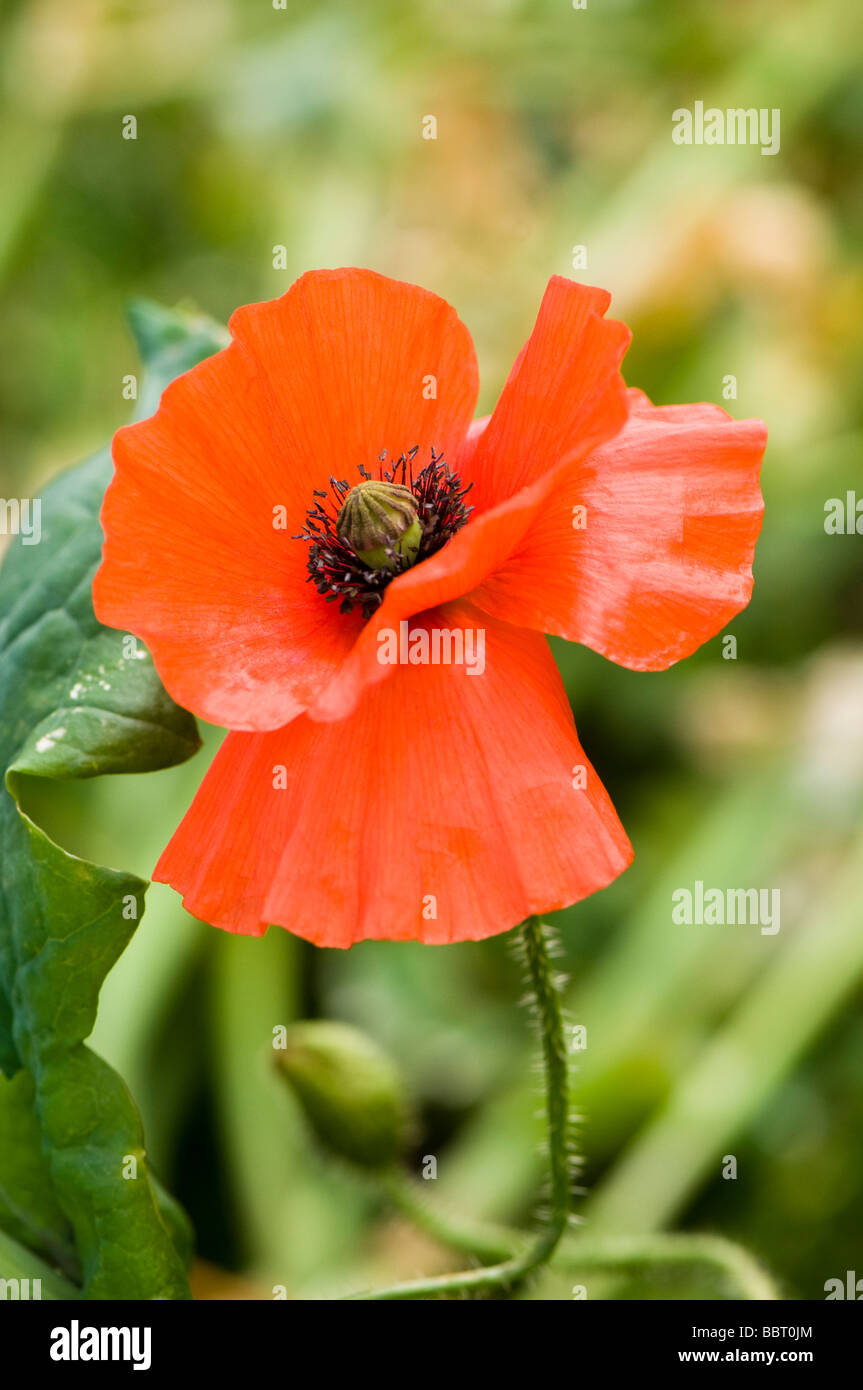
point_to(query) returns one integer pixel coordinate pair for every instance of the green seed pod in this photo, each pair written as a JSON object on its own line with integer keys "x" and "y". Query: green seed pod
{"x": 377, "y": 519}
{"x": 350, "y": 1090}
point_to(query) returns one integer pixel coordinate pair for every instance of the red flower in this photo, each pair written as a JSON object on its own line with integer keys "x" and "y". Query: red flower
{"x": 424, "y": 801}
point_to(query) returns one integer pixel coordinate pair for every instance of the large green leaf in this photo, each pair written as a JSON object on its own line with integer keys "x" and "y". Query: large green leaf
{"x": 29, "y": 1210}
{"x": 77, "y": 700}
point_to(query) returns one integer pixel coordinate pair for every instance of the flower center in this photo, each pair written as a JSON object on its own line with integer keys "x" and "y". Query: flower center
{"x": 361, "y": 537}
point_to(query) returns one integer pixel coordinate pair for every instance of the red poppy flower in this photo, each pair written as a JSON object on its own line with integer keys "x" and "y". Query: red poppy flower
{"x": 358, "y": 797}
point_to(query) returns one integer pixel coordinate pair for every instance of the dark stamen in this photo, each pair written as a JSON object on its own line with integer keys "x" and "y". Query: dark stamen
{"x": 336, "y": 570}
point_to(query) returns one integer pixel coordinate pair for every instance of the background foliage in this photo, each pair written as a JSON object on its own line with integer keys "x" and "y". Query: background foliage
{"x": 259, "y": 127}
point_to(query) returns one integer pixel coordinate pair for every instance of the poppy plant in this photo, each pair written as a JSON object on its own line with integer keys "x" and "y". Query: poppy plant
{"x": 313, "y": 533}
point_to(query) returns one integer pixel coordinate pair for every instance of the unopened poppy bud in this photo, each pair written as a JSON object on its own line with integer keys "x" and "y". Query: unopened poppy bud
{"x": 350, "y": 1090}
{"x": 379, "y": 522}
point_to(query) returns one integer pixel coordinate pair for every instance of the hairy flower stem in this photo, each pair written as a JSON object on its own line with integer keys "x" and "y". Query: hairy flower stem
{"x": 509, "y": 1274}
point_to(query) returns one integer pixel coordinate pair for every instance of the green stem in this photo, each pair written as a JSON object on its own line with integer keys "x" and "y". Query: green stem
{"x": 17, "y": 1262}
{"x": 483, "y": 1240}
{"x": 509, "y": 1273}
{"x": 645, "y": 1255}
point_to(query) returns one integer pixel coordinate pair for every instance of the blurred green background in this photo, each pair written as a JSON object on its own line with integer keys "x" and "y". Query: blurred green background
{"x": 301, "y": 127}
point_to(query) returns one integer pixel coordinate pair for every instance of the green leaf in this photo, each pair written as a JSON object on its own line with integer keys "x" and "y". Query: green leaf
{"x": 29, "y": 1210}
{"x": 78, "y": 700}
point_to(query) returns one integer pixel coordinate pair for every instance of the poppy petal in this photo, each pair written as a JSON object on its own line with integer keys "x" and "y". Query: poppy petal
{"x": 660, "y": 558}
{"x": 199, "y": 557}
{"x": 448, "y": 808}
{"x": 563, "y": 397}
